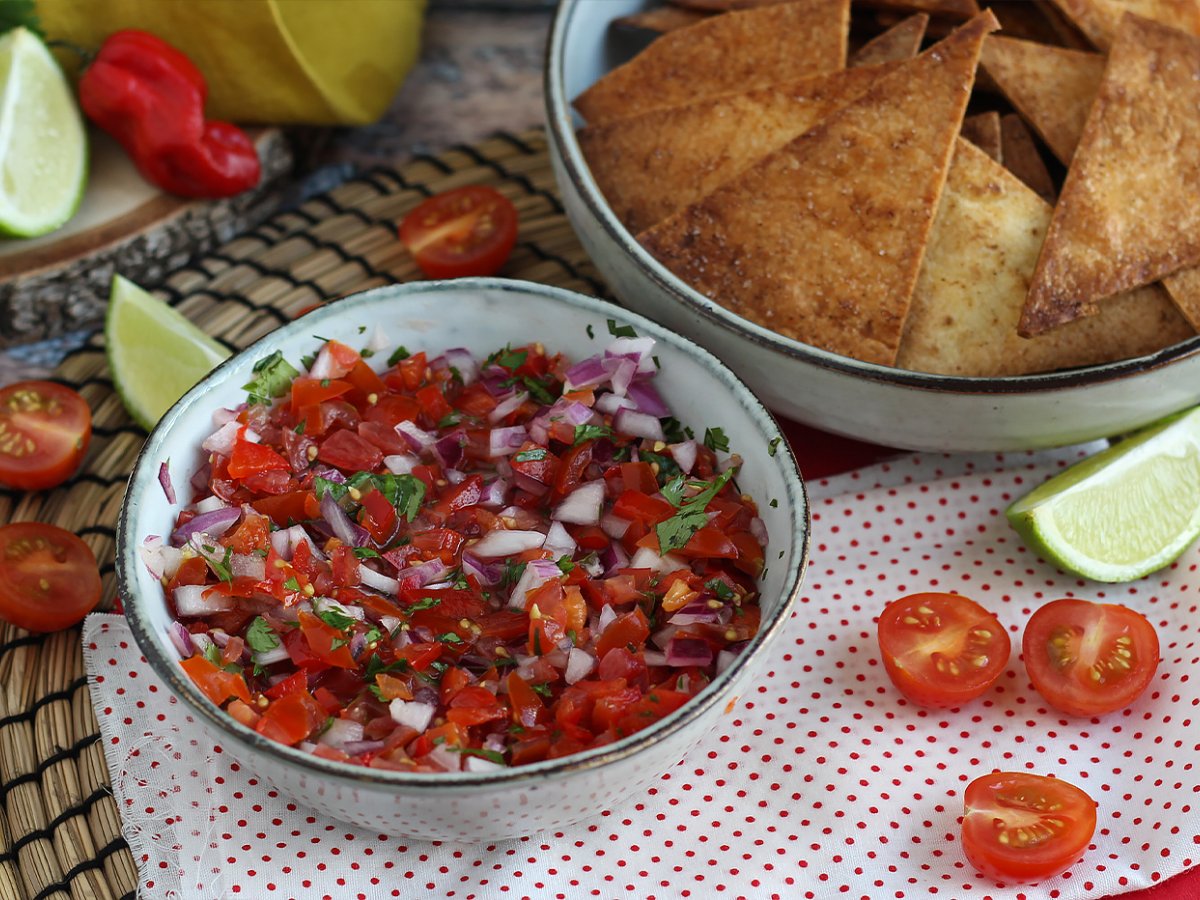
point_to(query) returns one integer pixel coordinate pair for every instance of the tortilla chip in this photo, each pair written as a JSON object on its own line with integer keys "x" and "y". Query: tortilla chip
{"x": 660, "y": 20}
{"x": 1050, "y": 87}
{"x": 897, "y": 43}
{"x": 982, "y": 251}
{"x": 1184, "y": 290}
{"x": 822, "y": 240}
{"x": 1026, "y": 21}
{"x": 733, "y": 52}
{"x": 1100, "y": 20}
{"x": 652, "y": 165}
{"x": 1022, "y": 158}
{"x": 955, "y": 9}
{"x": 719, "y": 6}
{"x": 1130, "y": 207}
{"x": 983, "y": 131}
{"x": 1068, "y": 33}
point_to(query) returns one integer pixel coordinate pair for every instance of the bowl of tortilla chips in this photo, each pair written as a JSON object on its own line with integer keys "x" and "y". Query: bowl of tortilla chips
{"x": 942, "y": 228}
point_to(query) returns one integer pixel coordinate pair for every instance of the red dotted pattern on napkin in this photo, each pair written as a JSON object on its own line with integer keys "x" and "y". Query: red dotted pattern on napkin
{"x": 824, "y": 783}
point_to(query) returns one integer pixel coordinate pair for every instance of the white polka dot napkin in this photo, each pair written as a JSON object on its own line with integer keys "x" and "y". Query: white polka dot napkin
{"x": 826, "y": 783}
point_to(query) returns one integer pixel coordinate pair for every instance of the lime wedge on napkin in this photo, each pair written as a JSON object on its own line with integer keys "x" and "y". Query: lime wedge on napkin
{"x": 1123, "y": 513}
{"x": 43, "y": 144}
{"x": 154, "y": 353}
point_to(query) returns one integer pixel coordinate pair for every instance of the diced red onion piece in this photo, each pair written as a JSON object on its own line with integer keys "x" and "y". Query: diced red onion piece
{"x": 159, "y": 558}
{"x": 610, "y": 403}
{"x": 421, "y": 575}
{"x": 181, "y": 640}
{"x": 281, "y": 544}
{"x": 456, "y": 477}
{"x": 270, "y": 657}
{"x": 164, "y": 478}
{"x": 646, "y": 397}
{"x": 444, "y": 758}
{"x": 621, "y": 372}
{"x": 507, "y": 543}
{"x": 361, "y": 748}
{"x": 462, "y": 359}
{"x": 654, "y": 657}
{"x": 613, "y": 557}
{"x": 587, "y": 373}
{"x": 505, "y": 441}
{"x": 323, "y": 366}
{"x": 223, "y": 415}
{"x": 530, "y": 484}
{"x": 479, "y": 764}
{"x": 539, "y": 432}
{"x": 759, "y": 529}
{"x": 559, "y": 541}
{"x": 536, "y": 573}
{"x": 337, "y": 519}
{"x": 579, "y": 664}
{"x": 199, "y": 600}
{"x": 663, "y": 636}
{"x": 449, "y": 449}
{"x": 639, "y": 349}
{"x": 378, "y": 341}
{"x": 572, "y": 411}
{"x": 210, "y": 503}
{"x": 419, "y": 439}
{"x": 411, "y": 713}
{"x": 582, "y": 506}
{"x": 487, "y": 573}
{"x": 248, "y": 565}
{"x": 684, "y": 455}
{"x": 614, "y": 526}
{"x": 214, "y": 524}
{"x": 202, "y": 642}
{"x": 688, "y": 652}
{"x": 637, "y": 424}
{"x": 401, "y": 463}
{"x": 724, "y": 660}
{"x": 340, "y": 732}
{"x": 506, "y": 407}
{"x": 222, "y": 440}
{"x": 377, "y": 580}
{"x": 495, "y": 494}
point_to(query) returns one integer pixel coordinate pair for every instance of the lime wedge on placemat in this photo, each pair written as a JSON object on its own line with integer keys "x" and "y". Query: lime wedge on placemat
{"x": 1123, "y": 513}
{"x": 43, "y": 145}
{"x": 154, "y": 353}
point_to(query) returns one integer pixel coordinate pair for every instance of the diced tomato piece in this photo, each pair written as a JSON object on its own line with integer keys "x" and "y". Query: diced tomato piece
{"x": 365, "y": 381}
{"x": 454, "y": 680}
{"x": 217, "y": 684}
{"x": 750, "y": 553}
{"x": 638, "y": 476}
{"x": 392, "y": 409}
{"x": 308, "y": 392}
{"x": 450, "y": 734}
{"x": 614, "y": 706}
{"x": 433, "y": 403}
{"x": 288, "y": 509}
{"x": 589, "y": 537}
{"x": 252, "y": 534}
{"x": 385, "y": 437}
{"x": 291, "y": 719}
{"x": 420, "y": 655}
{"x": 709, "y": 543}
{"x": 249, "y": 458}
{"x": 341, "y": 358}
{"x": 297, "y": 681}
{"x": 525, "y": 706}
{"x": 243, "y": 713}
{"x": 529, "y": 749}
{"x": 439, "y": 541}
{"x": 475, "y": 400}
{"x": 327, "y": 643}
{"x": 348, "y": 451}
{"x": 460, "y": 496}
{"x": 638, "y": 507}
{"x": 380, "y": 516}
{"x": 190, "y": 571}
{"x": 392, "y": 688}
{"x": 571, "y": 469}
{"x": 629, "y": 630}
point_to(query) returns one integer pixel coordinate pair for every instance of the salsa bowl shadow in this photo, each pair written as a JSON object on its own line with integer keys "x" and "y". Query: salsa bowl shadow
{"x": 481, "y": 315}
{"x": 867, "y": 401}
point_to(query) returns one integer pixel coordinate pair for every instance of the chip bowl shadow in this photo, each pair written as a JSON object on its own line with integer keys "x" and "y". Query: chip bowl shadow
{"x": 866, "y": 401}
{"x": 480, "y": 314}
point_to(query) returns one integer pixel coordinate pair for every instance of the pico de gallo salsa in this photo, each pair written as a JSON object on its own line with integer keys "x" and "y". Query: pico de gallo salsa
{"x": 458, "y": 564}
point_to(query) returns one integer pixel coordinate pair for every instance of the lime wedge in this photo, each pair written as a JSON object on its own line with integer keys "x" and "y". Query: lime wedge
{"x": 1123, "y": 513}
{"x": 154, "y": 353}
{"x": 43, "y": 144}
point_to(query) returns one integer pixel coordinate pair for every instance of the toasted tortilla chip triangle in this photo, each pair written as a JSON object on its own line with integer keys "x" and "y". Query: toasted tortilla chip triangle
{"x": 1051, "y": 88}
{"x": 1101, "y": 19}
{"x": 1021, "y": 157}
{"x": 822, "y": 239}
{"x": 1184, "y": 289}
{"x": 957, "y": 9}
{"x": 983, "y": 131}
{"x": 1129, "y": 212}
{"x": 1027, "y": 21}
{"x": 719, "y": 6}
{"x": 899, "y": 42}
{"x": 984, "y": 245}
{"x": 652, "y": 165}
{"x": 724, "y": 54}
{"x": 661, "y": 19}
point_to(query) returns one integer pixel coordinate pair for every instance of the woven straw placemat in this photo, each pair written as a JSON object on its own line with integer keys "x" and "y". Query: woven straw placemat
{"x": 60, "y": 835}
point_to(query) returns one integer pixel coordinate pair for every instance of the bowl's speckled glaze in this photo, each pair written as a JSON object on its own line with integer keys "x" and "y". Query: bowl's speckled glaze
{"x": 871, "y": 402}
{"x": 481, "y": 315}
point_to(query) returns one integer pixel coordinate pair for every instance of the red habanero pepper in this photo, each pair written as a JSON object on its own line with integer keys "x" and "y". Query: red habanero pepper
{"x": 150, "y": 97}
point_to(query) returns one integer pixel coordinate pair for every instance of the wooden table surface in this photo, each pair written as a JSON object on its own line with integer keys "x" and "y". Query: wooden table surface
{"x": 479, "y": 72}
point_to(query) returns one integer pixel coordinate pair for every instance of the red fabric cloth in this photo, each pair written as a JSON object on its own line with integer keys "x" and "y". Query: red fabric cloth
{"x": 821, "y": 454}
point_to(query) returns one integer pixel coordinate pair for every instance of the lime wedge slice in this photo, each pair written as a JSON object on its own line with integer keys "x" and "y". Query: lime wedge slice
{"x": 1123, "y": 513}
{"x": 154, "y": 353}
{"x": 43, "y": 144}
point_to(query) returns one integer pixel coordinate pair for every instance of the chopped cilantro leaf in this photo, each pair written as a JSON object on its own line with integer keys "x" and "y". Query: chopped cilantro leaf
{"x": 773, "y": 447}
{"x": 335, "y": 619}
{"x": 398, "y": 354}
{"x": 213, "y": 654}
{"x": 273, "y": 376}
{"x": 676, "y": 531}
{"x": 450, "y": 420}
{"x": 425, "y": 603}
{"x": 366, "y": 352}
{"x": 674, "y": 431}
{"x": 490, "y": 755}
{"x": 512, "y": 573}
{"x": 307, "y": 360}
{"x": 774, "y": 503}
{"x": 667, "y": 467}
{"x": 715, "y": 439}
{"x": 530, "y": 455}
{"x": 299, "y": 429}
{"x": 720, "y": 589}
{"x": 373, "y": 634}
{"x": 260, "y": 637}
{"x": 377, "y": 691}
{"x": 405, "y": 492}
{"x": 564, "y": 564}
{"x": 321, "y": 485}
{"x": 222, "y": 569}
{"x": 338, "y": 642}
{"x": 591, "y": 433}
{"x": 366, "y": 553}
{"x": 292, "y": 584}
{"x": 450, "y": 638}
{"x": 620, "y": 330}
{"x": 376, "y": 666}
{"x": 508, "y": 358}
{"x": 673, "y": 490}
{"x": 362, "y": 329}
{"x": 590, "y": 333}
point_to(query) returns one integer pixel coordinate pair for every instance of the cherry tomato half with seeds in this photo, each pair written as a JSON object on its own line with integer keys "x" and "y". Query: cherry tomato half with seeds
{"x": 1020, "y": 828}
{"x": 48, "y": 577}
{"x": 45, "y": 429}
{"x": 467, "y": 231}
{"x": 1088, "y": 659}
{"x": 941, "y": 650}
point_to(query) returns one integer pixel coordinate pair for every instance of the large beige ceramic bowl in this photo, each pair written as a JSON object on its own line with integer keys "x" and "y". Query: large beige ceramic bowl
{"x": 862, "y": 400}
{"x": 480, "y": 314}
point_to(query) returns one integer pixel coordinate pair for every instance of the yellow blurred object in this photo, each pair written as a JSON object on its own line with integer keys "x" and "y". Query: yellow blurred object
{"x": 319, "y": 62}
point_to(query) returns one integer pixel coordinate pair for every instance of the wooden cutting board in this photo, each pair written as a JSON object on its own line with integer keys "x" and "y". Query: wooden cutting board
{"x": 60, "y": 282}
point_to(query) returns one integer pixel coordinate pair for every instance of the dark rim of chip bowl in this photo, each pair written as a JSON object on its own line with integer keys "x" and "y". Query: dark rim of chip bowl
{"x": 144, "y": 477}
{"x": 560, "y": 124}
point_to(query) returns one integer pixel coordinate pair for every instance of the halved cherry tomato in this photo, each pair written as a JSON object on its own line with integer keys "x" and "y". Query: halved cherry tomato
{"x": 1088, "y": 659}
{"x": 941, "y": 650}
{"x": 1020, "y": 828}
{"x": 467, "y": 231}
{"x": 48, "y": 577}
{"x": 45, "y": 429}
